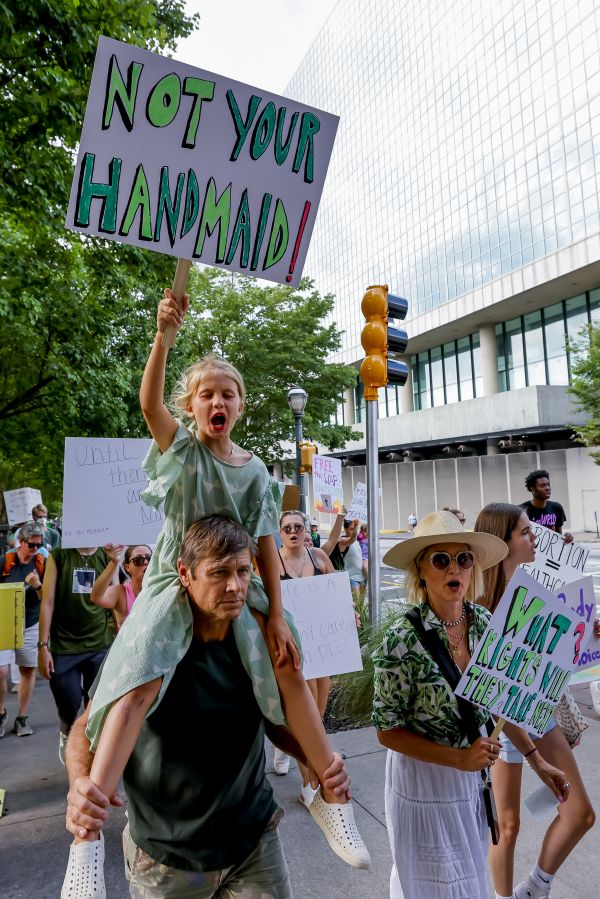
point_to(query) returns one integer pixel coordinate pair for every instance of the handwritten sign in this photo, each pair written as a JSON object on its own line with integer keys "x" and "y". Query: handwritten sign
{"x": 358, "y": 503}
{"x": 556, "y": 562}
{"x": 19, "y": 504}
{"x": 328, "y": 492}
{"x": 523, "y": 662}
{"x": 176, "y": 159}
{"x": 324, "y": 615}
{"x": 103, "y": 480}
{"x": 579, "y": 597}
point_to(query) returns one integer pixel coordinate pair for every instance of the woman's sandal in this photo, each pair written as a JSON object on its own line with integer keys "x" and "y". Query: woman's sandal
{"x": 338, "y": 824}
{"x": 85, "y": 872}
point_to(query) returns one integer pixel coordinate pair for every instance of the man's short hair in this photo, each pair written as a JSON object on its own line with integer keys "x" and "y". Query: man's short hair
{"x": 39, "y": 508}
{"x": 533, "y": 476}
{"x": 214, "y": 537}
{"x": 31, "y": 529}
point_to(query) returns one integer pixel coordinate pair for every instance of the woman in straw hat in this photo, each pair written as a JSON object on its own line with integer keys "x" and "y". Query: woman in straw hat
{"x": 574, "y": 819}
{"x": 433, "y": 793}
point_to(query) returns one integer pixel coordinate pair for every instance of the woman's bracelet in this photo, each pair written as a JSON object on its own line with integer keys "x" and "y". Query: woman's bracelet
{"x": 531, "y": 751}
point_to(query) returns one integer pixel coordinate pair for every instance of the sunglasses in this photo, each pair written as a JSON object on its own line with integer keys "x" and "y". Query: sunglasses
{"x": 33, "y": 545}
{"x": 441, "y": 560}
{"x": 293, "y": 529}
{"x": 139, "y": 560}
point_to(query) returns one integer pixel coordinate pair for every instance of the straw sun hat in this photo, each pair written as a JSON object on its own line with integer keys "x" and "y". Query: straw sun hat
{"x": 444, "y": 527}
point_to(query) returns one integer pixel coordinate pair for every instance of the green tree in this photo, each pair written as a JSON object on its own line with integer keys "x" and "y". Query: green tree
{"x": 586, "y": 384}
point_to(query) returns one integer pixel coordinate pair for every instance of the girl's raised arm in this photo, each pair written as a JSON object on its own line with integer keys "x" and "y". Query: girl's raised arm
{"x": 152, "y": 389}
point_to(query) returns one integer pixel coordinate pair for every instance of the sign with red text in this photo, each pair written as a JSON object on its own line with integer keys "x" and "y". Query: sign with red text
{"x": 328, "y": 493}
{"x": 579, "y": 597}
{"x": 556, "y": 562}
{"x": 179, "y": 160}
{"x": 103, "y": 480}
{"x": 523, "y": 662}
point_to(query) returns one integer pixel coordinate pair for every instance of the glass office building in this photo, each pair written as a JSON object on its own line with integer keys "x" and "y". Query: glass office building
{"x": 466, "y": 175}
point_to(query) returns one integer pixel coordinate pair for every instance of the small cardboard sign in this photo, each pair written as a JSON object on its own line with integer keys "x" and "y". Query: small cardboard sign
{"x": 358, "y": 504}
{"x": 324, "y": 615}
{"x": 523, "y": 662}
{"x": 291, "y": 498}
{"x": 19, "y": 504}
{"x": 103, "y": 480}
{"x": 328, "y": 493}
{"x": 556, "y": 562}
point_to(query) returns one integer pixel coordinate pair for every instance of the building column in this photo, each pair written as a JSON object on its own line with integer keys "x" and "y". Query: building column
{"x": 489, "y": 359}
{"x": 406, "y": 392}
{"x": 349, "y": 406}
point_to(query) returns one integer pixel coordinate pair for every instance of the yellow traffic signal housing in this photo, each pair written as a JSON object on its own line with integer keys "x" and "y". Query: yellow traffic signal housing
{"x": 307, "y": 451}
{"x": 378, "y": 338}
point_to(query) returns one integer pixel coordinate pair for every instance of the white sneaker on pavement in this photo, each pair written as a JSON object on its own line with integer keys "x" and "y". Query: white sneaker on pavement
{"x": 338, "y": 824}
{"x": 85, "y": 872}
{"x": 281, "y": 762}
{"x": 528, "y": 890}
{"x": 307, "y": 794}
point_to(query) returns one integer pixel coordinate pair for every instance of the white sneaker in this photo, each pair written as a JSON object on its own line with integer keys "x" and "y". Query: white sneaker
{"x": 62, "y": 747}
{"x": 85, "y": 872}
{"x": 281, "y": 762}
{"x": 338, "y": 824}
{"x": 528, "y": 890}
{"x": 595, "y": 691}
{"x": 307, "y": 794}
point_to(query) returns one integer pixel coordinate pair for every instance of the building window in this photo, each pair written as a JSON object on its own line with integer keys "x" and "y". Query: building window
{"x": 465, "y": 368}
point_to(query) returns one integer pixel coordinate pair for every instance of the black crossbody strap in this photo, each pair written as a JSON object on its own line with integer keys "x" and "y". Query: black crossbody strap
{"x": 433, "y": 644}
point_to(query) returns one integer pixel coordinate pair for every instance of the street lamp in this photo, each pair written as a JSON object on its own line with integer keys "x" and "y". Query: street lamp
{"x": 297, "y": 399}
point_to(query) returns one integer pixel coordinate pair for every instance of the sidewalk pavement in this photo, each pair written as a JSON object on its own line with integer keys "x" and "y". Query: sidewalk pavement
{"x": 34, "y": 843}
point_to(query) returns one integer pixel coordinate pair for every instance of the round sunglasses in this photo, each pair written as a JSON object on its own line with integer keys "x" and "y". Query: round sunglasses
{"x": 293, "y": 528}
{"x": 139, "y": 560}
{"x": 441, "y": 560}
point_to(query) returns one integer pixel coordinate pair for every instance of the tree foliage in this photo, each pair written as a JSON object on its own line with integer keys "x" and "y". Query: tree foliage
{"x": 586, "y": 384}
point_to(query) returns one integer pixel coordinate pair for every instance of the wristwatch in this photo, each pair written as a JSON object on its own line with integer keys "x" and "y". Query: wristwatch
{"x": 41, "y": 643}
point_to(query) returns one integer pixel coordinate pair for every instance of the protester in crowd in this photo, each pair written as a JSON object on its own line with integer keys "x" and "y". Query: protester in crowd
{"x": 540, "y": 508}
{"x": 457, "y": 513}
{"x": 412, "y": 522}
{"x": 574, "y": 817}
{"x": 436, "y": 818}
{"x": 314, "y": 533}
{"x": 296, "y": 560}
{"x": 195, "y": 472}
{"x": 353, "y": 560}
{"x": 23, "y": 565}
{"x": 74, "y": 633}
{"x": 116, "y": 596}
{"x": 51, "y": 536}
{"x": 363, "y": 539}
{"x": 202, "y": 819}
{"x": 335, "y": 544}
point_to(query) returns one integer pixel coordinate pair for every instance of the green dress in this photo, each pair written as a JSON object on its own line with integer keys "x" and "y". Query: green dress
{"x": 157, "y": 633}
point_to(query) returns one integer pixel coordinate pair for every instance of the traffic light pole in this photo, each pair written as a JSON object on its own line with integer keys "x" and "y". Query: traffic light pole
{"x": 299, "y": 475}
{"x": 373, "y": 511}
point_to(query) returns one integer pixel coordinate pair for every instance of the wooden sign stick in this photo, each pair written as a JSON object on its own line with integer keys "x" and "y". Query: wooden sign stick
{"x": 499, "y": 726}
{"x": 180, "y": 281}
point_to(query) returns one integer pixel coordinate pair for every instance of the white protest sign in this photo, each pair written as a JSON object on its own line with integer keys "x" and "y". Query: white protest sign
{"x": 556, "y": 562}
{"x": 324, "y": 615}
{"x": 358, "y": 503}
{"x": 579, "y": 597}
{"x": 328, "y": 493}
{"x": 176, "y": 159}
{"x": 586, "y": 676}
{"x": 103, "y": 479}
{"x": 523, "y": 662}
{"x": 19, "y": 503}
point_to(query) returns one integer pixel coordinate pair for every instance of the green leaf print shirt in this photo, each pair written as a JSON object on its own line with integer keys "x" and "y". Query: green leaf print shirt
{"x": 411, "y": 691}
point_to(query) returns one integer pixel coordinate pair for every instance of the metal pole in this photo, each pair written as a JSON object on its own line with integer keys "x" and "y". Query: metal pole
{"x": 373, "y": 511}
{"x": 299, "y": 475}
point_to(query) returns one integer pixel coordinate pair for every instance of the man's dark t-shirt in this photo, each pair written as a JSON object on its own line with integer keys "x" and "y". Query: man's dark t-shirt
{"x": 551, "y": 516}
{"x": 198, "y": 796}
{"x": 17, "y": 575}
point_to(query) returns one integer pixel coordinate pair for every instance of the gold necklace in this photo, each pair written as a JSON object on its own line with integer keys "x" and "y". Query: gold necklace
{"x": 455, "y": 645}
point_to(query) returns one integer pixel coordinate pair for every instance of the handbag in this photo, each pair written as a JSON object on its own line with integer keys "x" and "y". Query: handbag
{"x": 569, "y": 718}
{"x": 430, "y": 639}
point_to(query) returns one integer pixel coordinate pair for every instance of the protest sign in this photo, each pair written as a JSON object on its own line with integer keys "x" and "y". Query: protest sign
{"x": 523, "y": 662}
{"x": 176, "y": 159}
{"x": 19, "y": 503}
{"x": 586, "y": 676}
{"x": 290, "y": 498}
{"x": 328, "y": 493}
{"x": 556, "y": 562}
{"x": 103, "y": 479}
{"x": 579, "y": 597}
{"x": 358, "y": 503}
{"x": 324, "y": 615}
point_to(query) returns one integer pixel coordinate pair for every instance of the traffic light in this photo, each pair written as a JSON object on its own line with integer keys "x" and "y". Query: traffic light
{"x": 307, "y": 451}
{"x": 378, "y": 339}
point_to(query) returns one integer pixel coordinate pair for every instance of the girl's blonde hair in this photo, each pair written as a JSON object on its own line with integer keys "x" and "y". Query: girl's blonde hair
{"x": 189, "y": 382}
{"x": 416, "y": 591}
{"x": 297, "y": 512}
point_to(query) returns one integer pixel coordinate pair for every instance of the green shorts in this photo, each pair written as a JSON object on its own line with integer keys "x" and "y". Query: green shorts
{"x": 262, "y": 875}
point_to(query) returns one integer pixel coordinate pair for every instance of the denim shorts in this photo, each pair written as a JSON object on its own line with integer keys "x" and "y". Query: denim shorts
{"x": 508, "y": 751}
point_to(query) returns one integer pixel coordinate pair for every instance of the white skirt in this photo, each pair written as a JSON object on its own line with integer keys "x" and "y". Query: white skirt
{"x": 438, "y": 830}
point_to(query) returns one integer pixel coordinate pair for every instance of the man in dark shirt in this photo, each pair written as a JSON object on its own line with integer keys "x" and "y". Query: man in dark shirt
{"x": 540, "y": 508}
{"x": 202, "y": 817}
{"x": 23, "y": 565}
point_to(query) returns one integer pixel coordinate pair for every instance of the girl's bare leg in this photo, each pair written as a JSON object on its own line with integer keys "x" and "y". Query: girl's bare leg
{"x": 506, "y": 779}
{"x": 319, "y": 688}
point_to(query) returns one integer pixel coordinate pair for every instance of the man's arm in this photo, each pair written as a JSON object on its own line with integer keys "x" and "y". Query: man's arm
{"x": 45, "y": 663}
{"x": 335, "y": 778}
